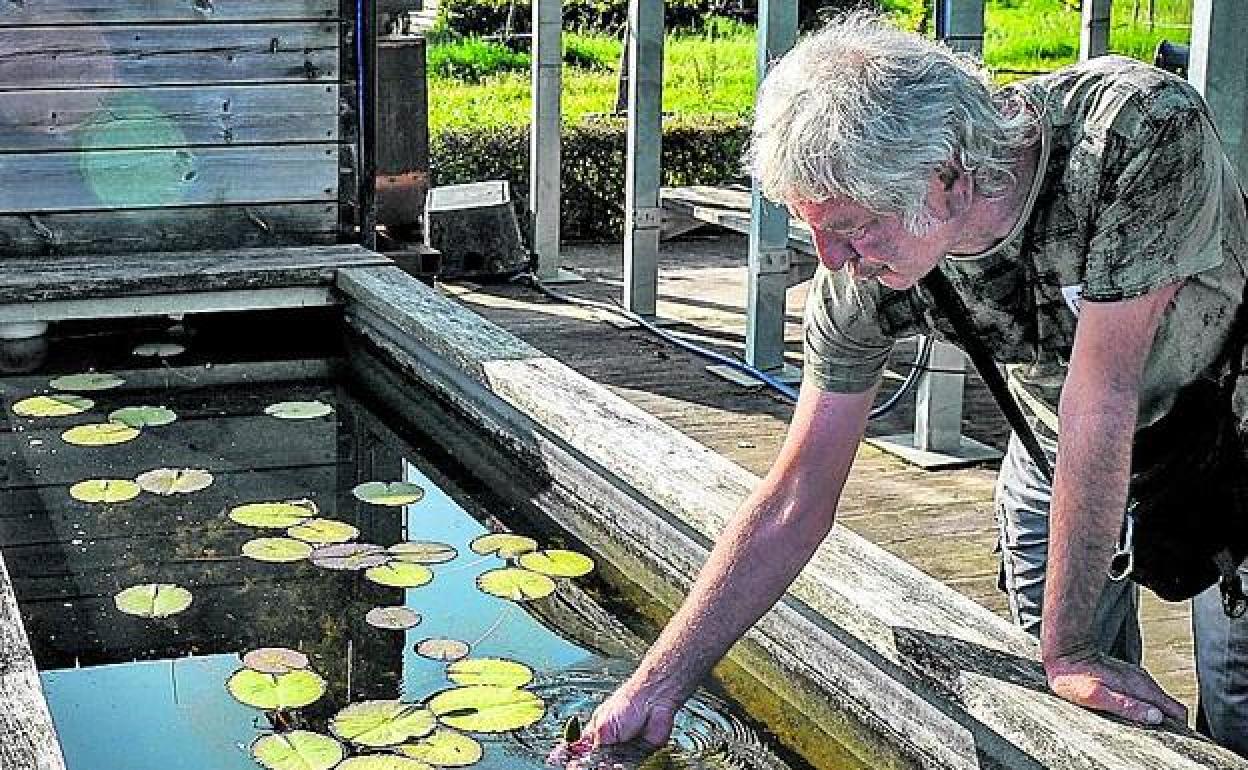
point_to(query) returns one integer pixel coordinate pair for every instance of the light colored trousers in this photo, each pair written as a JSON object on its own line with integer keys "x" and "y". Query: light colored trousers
{"x": 1022, "y": 504}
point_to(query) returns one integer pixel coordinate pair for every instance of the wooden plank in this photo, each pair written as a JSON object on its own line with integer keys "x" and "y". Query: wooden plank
{"x": 727, "y": 207}
{"x": 165, "y": 304}
{"x": 109, "y": 118}
{"x": 202, "y": 228}
{"x": 68, "y": 57}
{"x": 130, "y": 179}
{"x": 28, "y": 12}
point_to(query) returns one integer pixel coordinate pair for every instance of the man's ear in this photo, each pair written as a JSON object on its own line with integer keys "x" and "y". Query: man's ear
{"x": 949, "y": 191}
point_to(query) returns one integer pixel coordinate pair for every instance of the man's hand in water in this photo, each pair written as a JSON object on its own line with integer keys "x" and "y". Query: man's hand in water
{"x": 627, "y": 715}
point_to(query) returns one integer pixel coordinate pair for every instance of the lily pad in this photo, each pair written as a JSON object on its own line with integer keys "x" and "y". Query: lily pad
{"x": 275, "y": 660}
{"x": 423, "y": 552}
{"x": 87, "y": 381}
{"x": 159, "y": 350}
{"x": 399, "y": 574}
{"x": 104, "y": 491}
{"x": 497, "y": 672}
{"x": 505, "y": 545}
{"x": 297, "y": 750}
{"x": 53, "y": 405}
{"x": 376, "y": 723}
{"x": 349, "y": 556}
{"x": 323, "y": 531}
{"x": 487, "y": 709}
{"x": 557, "y": 563}
{"x": 298, "y": 410}
{"x": 273, "y": 515}
{"x": 276, "y": 691}
{"x": 383, "y": 762}
{"x": 153, "y": 600}
{"x": 277, "y": 549}
{"x": 99, "y": 434}
{"x": 444, "y": 748}
{"x": 393, "y": 618}
{"x": 393, "y": 493}
{"x": 142, "y": 416}
{"x": 174, "y": 481}
{"x": 445, "y": 650}
{"x": 518, "y": 585}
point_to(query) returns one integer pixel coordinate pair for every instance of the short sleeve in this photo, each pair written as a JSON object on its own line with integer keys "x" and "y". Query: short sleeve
{"x": 1158, "y": 217}
{"x": 846, "y": 348}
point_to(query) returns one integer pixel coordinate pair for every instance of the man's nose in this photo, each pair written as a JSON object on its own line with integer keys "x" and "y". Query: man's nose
{"x": 833, "y": 252}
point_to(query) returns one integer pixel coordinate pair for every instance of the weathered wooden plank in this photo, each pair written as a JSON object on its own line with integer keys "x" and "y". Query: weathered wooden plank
{"x": 68, "y": 57}
{"x": 728, "y": 207}
{"x": 129, "y": 179}
{"x": 28, "y": 12}
{"x": 168, "y": 116}
{"x": 201, "y": 228}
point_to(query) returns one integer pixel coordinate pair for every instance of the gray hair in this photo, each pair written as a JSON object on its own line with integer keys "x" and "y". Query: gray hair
{"x": 864, "y": 111}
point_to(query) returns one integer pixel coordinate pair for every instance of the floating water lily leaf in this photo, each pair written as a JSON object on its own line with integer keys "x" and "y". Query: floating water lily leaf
{"x": 104, "y": 491}
{"x": 498, "y": 672}
{"x": 53, "y": 405}
{"x": 382, "y": 762}
{"x": 298, "y": 410}
{"x": 392, "y": 493}
{"x": 159, "y": 349}
{"x": 557, "y": 563}
{"x": 399, "y": 574}
{"x": 88, "y": 381}
{"x": 519, "y": 585}
{"x": 142, "y": 416}
{"x": 174, "y": 481}
{"x": 377, "y": 723}
{"x": 276, "y": 691}
{"x": 506, "y": 546}
{"x": 277, "y": 549}
{"x": 445, "y": 650}
{"x": 99, "y": 434}
{"x": 323, "y": 531}
{"x": 153, "y": 600}
{"x": 346, "y": 556}
{"x": 275, "y": 660}
{"x": 298, "y": 750}
{"x": 273, "y": 515}
{"x": 423, "y": 552}
{"x": 445, "y": 748}
{"x": 487, "y": 709}
{"x": 393, "y": 618}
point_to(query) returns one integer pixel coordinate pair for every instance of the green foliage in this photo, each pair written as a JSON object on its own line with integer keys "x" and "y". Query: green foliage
{"x": 471, "y": 60}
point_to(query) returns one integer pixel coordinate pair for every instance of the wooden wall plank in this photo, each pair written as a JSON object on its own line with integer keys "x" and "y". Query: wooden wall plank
{"x": 68, "y": 57}
{"x": 26, "y": 12}
{"x": 106, "y": 118}
{"x": 131, "y": 231}
{"x": 169, "y": 177}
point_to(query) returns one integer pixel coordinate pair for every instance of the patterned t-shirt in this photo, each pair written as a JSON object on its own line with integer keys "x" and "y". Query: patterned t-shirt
{"x": 1136, "y": 194}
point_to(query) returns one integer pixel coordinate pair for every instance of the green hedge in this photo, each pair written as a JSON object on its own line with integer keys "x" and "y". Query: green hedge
{"x": 701, "y": 151}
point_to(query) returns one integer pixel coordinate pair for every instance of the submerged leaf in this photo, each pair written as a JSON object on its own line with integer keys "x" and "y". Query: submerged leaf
{"x": 174, "y": 481}
{"x": 323, "y": 531}
{"x": 349, "y": 556}
{"x": 519, "y": 585}
{"x": 277, "y": 549}
{"x": 445, "y": 748}
{"x": 104, "y": 491}
{"x": 557, "y": 563}
{"x": 376, "y": 723}
{"x": 400, "y": 574}
{"x": 52, "y": 405}
{"x": 297, "y": 750}
{"x": 423, "y": 552}
{"x": 273, "y": 515}
{"x": 276, "y": 691}
{"x": 298, "y": 410}
{"x": 275, "y": 660}
{"x": 487, "y": 709}
{"x": 393, "y": 618}
{"x": 498, "y": 672}
{"x": 142, "y": 416}
{"x": 445, "y": 650}
{"x": 88, "y": 381}
{"x": 505, "y": 545}
{"x": 392, "y": 493}
{"x": 153, "y": 600}
{"x": 159, "y": 349}
{"x": 382, "y": 762}
{"x": 99, "y": 434}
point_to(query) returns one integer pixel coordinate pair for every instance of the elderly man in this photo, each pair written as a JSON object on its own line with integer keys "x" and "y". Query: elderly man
{"x": 1096, "y": 232}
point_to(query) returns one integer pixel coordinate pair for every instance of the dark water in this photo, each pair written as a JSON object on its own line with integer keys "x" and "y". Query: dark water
{"x": 149, "y": 694}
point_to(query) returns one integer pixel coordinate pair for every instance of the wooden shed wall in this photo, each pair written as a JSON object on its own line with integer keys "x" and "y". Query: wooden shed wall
{"x": 153, "y": 125}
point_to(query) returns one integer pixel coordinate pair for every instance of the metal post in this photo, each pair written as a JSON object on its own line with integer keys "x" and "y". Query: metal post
{"x": 544, "y": 157}
{"x": 1219, "y": 71}
{"x": 1094, "y": 31}
{"x": 938, "y": 402}
{"x": 645, "y": 133}
{"x": 960, "y": 23}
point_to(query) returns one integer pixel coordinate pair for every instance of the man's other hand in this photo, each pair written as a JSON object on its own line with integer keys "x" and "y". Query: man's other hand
{"x": 1101, "y": 683}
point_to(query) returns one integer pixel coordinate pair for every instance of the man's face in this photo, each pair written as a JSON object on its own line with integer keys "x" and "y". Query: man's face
{"x": 871, "y": 245}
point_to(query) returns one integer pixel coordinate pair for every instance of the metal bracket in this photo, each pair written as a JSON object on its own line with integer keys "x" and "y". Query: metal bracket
{"x": 647, "y": 218}
{"x": 772, "y": 260}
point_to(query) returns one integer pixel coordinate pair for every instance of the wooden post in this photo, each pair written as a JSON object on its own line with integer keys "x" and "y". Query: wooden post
{"x": 960, "y": 23}
{"x": 642, "y": 216}
{"x": 544, "y": 155}
{"x": 1094, "y": 29}
{"x": 1219, "y": 70}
